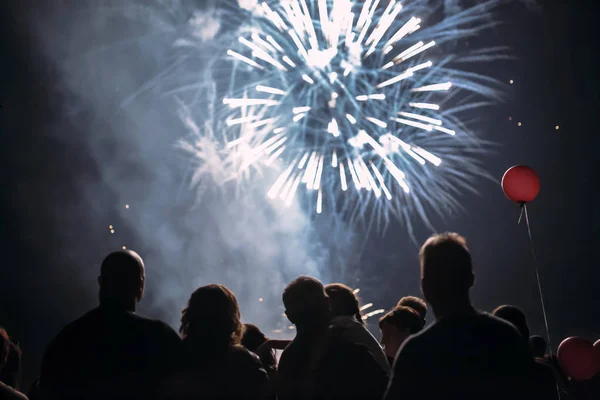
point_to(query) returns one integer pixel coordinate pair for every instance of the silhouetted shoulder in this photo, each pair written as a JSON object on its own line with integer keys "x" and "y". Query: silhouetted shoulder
{"x": 244, "y": 358}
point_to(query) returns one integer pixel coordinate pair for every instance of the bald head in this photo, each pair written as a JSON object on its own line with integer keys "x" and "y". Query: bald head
{"x": 122, "y": 277}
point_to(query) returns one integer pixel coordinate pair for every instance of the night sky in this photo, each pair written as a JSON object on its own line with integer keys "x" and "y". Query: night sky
{"x": 50, "y": 227}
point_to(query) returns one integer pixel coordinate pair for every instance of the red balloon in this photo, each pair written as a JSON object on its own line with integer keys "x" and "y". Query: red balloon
{"x": 521, "y": 184}
{"x": 577, "y": 358}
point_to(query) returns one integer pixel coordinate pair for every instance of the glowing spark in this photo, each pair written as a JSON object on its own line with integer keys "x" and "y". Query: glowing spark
{"x": 343, "y": 178}
{"x": 299, "y": 117}
{"x": 298, "y": 110}
{"x": 395, "y": 79}
{"x": 355, "y": 291}
{"x": 381, "y": 181}
{"x": 244, "y": 59}
{"x": 268, "y": 89}
{"x": 234, "y": 103}
{"x": 308, "y": 79}
{"x": 426, "y": 106}
{"x": 236, "y": 121}
{"x": 319, "y": 202}
{"x": 351, "y": 119}
{"x": 333, "y": 128}
{"x": 366, "y": 306}
{"x": 413, "y": 123}
{"x": 334, "y": 161}
{"x": 377, "y": 122}
{"x": 428, "y": 156}
{"x": 436, "y": 87}
{"x": 445, "y": 130}
{"x": 377, "y": 96}
{"x": 421, "y": 118}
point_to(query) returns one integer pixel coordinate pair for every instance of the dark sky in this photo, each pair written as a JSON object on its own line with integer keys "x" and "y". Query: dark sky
{"x": 555, "y": 83}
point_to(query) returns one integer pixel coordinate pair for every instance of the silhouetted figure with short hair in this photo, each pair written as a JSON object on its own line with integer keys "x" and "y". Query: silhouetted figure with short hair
{"x": 396, "y": 326}
{"x": 346, "y": 315}
{"x": 319, "y": 363}
{"x": 111, "y": 352}
{"x": 215, "y": 365}
{"x": 6, "y": 391}
{"x": 416, "y": 304}
{"x": 543, "y": 378}
{"x": 465, "y": 354}
{"x": 538, "y": 346}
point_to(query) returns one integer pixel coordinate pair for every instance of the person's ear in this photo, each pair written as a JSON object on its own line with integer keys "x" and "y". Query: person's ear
{"x": 141, "y": 290}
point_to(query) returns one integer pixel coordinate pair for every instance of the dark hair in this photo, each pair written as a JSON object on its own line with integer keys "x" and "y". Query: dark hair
{"x": 415, "y": 303}
{"x": 514, "y": 316}
{"x": 402, "y": 317}
{"x": 212, "y": 317}
{"x": 121, "y": 275}
{"x": 445, "y": 260}
{"x": 4, "y": 347}
{"x": 538, "y": 346}
{"x": 343, "y": 301}
{"x": 252, "y": 339}
{"x": 305, "y": 300}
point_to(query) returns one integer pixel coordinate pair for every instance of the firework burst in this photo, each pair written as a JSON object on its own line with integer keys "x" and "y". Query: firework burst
{"x": 353, "y": 99}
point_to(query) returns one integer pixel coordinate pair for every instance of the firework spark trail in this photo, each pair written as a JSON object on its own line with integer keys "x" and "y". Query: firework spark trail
{"x": 362, "y": 96}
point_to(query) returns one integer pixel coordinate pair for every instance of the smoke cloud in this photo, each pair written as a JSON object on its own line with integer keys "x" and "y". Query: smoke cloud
{"x": 117, "y": 68}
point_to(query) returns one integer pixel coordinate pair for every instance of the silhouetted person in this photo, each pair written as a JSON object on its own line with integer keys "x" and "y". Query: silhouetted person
{"x": 6, "y": 391}
{"x": 252, "y": 339}
{"x": 319, "y": 363}
{"x": 346, "y": 315}
{"x": 396, "y": 326}
{"x": 465, "y": 354}
{"x": 215, "y": 365}
{"x": 10, "y": 374}
{"x": 416, "y": 304}
{"x": 111, "y": 352}
{"x": 538, "y": 346}
{"x": 542, "y": 375}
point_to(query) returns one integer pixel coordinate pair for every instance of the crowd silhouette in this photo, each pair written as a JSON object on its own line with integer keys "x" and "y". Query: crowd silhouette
{"x": 113, "y": 353}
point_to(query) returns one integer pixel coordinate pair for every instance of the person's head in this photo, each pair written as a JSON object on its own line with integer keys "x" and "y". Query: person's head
{"x": 252, "y": 339}
{"x": 306, "y": 303}
{"x": 122, "y": 278}
{"x": 538, "y": 346}
{"x": 211, "y": 318}
{"x": 416, "y": 304}
{"x": 343, "y": 301}
{"x": 515, "y": 317}
{"x": 446, "y": 270}
{"x": 396, "y": 326}
{"x": 4, "y": 347}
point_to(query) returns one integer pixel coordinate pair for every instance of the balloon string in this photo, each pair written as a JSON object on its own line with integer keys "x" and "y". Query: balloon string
{"x": 537, "y": 275}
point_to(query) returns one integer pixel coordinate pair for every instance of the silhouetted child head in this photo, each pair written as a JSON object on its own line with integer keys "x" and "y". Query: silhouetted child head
{"x": 396, "y": 326}
{"x": 538, "y": 346}
{"x": 252, "y": 339}
{"x": 343, "y": 301}
{"x": 416, "y": 304}
{"x": 122, "y": 277}
{"x": 306, "y": 303}
{"x": 446, "y": 269}
{"x": 212, "y": 317}
{"x": 514, "y": 316}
